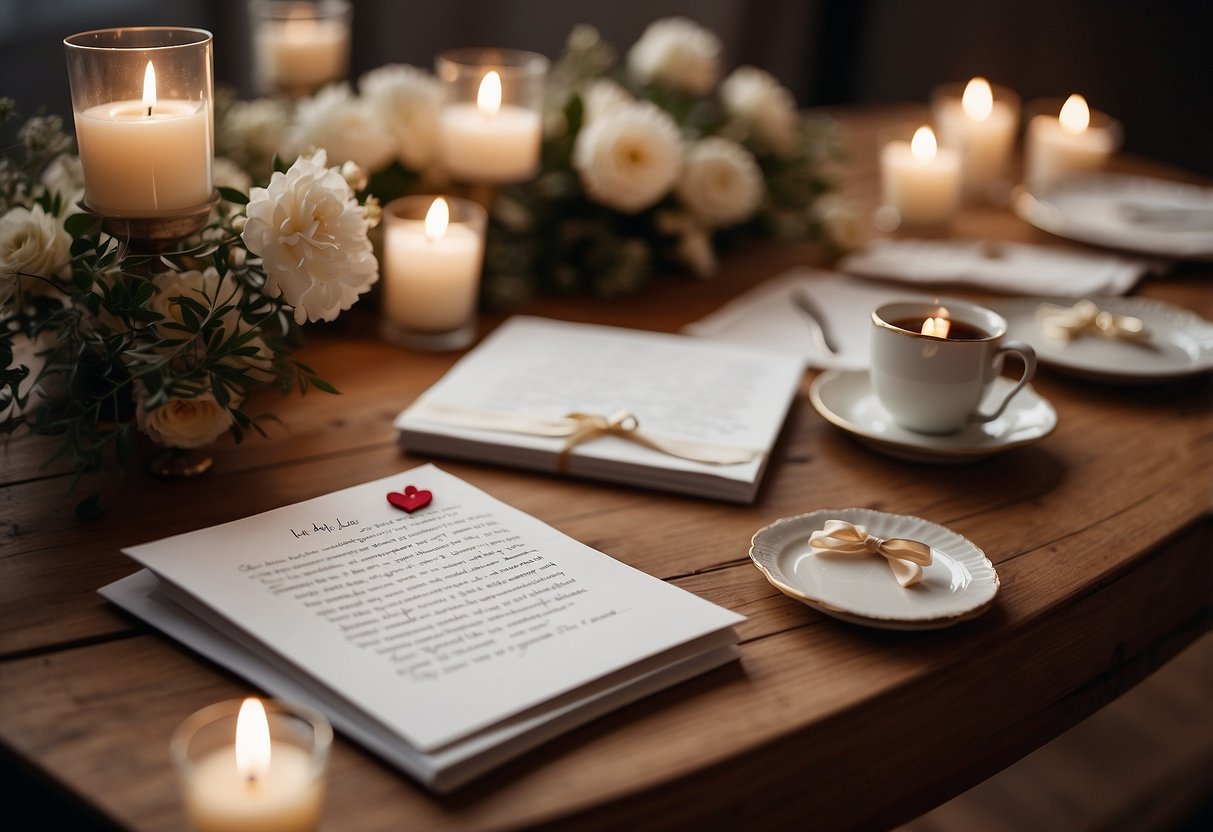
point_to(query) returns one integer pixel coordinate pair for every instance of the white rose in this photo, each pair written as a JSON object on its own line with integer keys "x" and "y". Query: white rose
{"x": 183, "y": 423}
{"x": 65, "y": 176}
{"x": 603, "y": 96}
{"x": 720, "y": 183}
{"x": 629, "y": 158}
{"x": 767, "y": 110}
{"x": 31, "y": 242}
{"x": 348, "y": 128}
{"x": 256, "y": 129}
{"x": 677, "y": 53}
{"x": 408, "y": 100}
{"x": 312, "y": 237}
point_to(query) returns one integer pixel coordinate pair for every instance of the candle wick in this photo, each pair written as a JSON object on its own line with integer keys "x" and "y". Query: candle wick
{"x": 251, "y": 780}
{"x": 149, "y": 112}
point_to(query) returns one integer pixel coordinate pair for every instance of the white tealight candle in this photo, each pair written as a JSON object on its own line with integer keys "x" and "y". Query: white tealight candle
{"x": 143, "y": 158}
{"x": 920, "y": 180}
{"x": 1071, "y": 142}
{"x": 253, "y": 786}
{"x": 432, "y": 271}
{"x": 983, "y": 128}
{"x": 490, "y": 142}
{"x": 301, "y": 53}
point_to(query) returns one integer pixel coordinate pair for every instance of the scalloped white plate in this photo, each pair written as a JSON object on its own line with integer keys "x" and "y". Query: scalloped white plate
{"x": 1181, "y": 343}
{"x": 959, "y": 584}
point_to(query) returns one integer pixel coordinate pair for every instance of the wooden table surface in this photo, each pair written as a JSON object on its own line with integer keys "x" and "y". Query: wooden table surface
{"x": 1100, "y": 533}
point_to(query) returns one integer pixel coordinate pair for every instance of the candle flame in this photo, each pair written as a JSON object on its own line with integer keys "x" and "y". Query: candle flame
{"x": 252, "y": 741}
{"x": 149, "y": 88}
{"x": 923, "y": 146}
{"x": 978, "y": 99}
{"x": 1075, "y": 115}
{"x": 437, "y": 219}
{"x": 937, "y": 327}
{"x": 488, "y": 97}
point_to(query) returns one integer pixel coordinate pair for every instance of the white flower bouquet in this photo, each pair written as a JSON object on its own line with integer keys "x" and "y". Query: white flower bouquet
{"x": 100, "y": 342}
{"x": 649, "y": 164}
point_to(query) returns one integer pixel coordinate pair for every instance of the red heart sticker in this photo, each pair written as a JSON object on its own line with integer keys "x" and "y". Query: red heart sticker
{"x": 411, "y": 499}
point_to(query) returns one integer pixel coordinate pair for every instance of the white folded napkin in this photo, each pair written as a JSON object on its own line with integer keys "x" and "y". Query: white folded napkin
{"x": 767, "y": 316}
{"x": 1013, "y": 268}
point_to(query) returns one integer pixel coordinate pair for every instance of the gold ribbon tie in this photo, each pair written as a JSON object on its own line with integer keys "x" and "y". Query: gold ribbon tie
{"x": 905, "y": 557}
{"x": 1070, "y": 322}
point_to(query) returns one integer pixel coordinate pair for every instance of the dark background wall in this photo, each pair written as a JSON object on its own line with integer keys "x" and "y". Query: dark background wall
{"x": 1147, "y": 62}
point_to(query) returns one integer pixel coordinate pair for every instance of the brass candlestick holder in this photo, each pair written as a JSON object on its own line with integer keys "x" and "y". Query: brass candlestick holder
{"x": 162, "y": 232}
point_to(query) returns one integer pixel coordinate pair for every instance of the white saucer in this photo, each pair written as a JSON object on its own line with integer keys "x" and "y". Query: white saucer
{"x": 959, "y": 584}
{"x": 1181, "y": 342}
{"x": 846, "y": 400}
{"x": 1106, "y": 209}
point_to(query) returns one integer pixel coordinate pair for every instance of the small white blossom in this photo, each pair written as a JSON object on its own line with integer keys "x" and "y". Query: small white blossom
{"x": 65, "y": 177}
{"x": 842, "y": 221}
{"x": 629, "y": 158}
{"x": 346, "y": 127}
{"x": 182, "y": 423}
{"x": 312, "y": 237}
{"x": 720, "y": 182}
{"x": 227, "y": 174}
{"x": 767, "y": 110}
{"x": 255, "y": 129}
{"x": 31, "y": 242}
{"x": 602, "y": 96}
{"x": 408, "y": 100}
{"x": 677, "y": 53}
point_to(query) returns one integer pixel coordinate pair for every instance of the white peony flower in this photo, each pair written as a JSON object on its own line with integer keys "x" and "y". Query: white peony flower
{"x": 629, "y": 158}
{"x": 720, "y": 183}
{"x": 257, "y": 129}
{"x": 602, "y": 96}
{"x": 767, "y": 110}
{"x": 183, "y": 423}
{"x": 312, "y": 237}
{"x": 65, "y": 176}
{"x": 678, "y": 53}
{"x": 31, "y": 242}
{"x": 346, "y": 127}
{"x": 408, "y": 100}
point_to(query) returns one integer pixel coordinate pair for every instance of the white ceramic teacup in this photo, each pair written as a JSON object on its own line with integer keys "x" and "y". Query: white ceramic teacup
{"x": 935, "y": 384}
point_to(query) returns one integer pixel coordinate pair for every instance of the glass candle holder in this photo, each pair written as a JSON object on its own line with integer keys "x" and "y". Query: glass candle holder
{"x": 491, "y": 123}
{"x": 225, "y": 789}
{"x": 1066, "y": 137}
{"x": 981, "y": 120}
{"x": 298, "y": 47}
{"x": 143, "y": 105}
{"x": 920, "y": 181}
{"x": 433, "y": 251}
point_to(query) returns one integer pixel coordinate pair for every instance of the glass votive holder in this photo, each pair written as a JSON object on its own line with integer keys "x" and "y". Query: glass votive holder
{"x": 920, "y": 181}
{"x": 491, "y": 122}
{"x": 142, "y": 99}
{"x": 1066, "y": 137}
{"x": 225, "y": 780}
{"x": 981, "y": 120}
{"x": 298, "y": 47}
{"x": 433, "y": 251}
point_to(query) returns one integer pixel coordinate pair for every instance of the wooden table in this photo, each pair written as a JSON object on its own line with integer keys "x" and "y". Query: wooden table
{"x": 1101, "y": 535}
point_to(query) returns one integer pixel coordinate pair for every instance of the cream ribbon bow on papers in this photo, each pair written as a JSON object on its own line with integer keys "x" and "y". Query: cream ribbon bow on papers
{"x": 905, "y": 557}
{"x": 1069, "y": 322}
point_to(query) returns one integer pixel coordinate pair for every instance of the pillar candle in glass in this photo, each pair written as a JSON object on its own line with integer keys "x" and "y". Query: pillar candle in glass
{"x": 143, "y": 105}
{"x": 920, "y": 181}
{"x": 433, "y": 250}
{"x": 252, "y": 765}
{"x": 981, "y": 120}
{"x": 491, "y": 123}
{"x": 298, "y": 47}
{"x": 1066, "y": 138}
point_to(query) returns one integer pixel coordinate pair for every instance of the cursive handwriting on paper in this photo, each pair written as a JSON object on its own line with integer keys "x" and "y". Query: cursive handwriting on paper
{"x": 318, "y": 528}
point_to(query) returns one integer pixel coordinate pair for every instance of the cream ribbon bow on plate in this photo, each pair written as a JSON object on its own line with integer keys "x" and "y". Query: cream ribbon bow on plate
{"x": 1069, "y": 322}
{"x": 905, "y": 557}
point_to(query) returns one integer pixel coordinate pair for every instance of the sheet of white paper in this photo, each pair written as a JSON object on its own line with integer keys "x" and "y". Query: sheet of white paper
{"x": 438, "y": 623}
{"x": 677, "y": 387}
{"x": 768, "y": 317}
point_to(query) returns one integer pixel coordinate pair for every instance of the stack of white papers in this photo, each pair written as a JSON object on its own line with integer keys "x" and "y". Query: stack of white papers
{"x": 447, "y": 640}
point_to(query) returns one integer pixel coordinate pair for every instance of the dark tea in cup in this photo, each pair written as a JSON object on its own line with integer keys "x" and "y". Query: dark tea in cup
{"x": 947, "y": 328}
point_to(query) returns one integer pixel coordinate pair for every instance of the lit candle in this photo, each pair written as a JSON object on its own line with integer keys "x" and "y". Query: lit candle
{"x": 920, "y": 180}
{"x": 145, "y": 157}
{"x": 302, "y": 50}
{"x": 253, "y": 785}
{"x": 489, "y": 141}
{"x": 432, "y": 266}
{"x": 1074, "y": 141}
{"x": 982, "y": 126}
